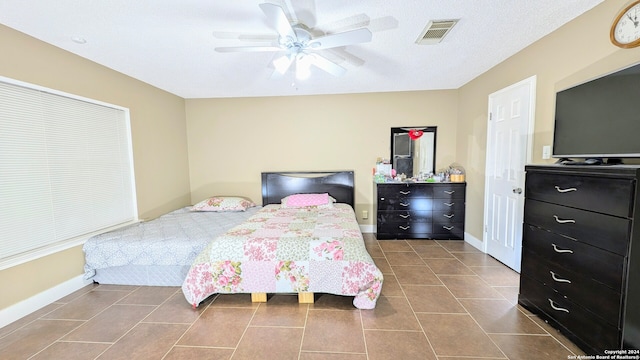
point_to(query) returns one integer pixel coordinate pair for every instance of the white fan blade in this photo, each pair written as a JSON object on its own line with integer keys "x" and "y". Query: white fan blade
{"x": 304, "y": 12}
{"x": 282, "y": 65}
{"x": 278, "y": 20}
{"x": 247, "y": 49}
{"x": 341, "y": 39}
{"x": 349, "y": 23}
{"x": 341, "y": 54}
{"x": 327, "y": 65}
{"x": 299, "y": 11}
{"x": 383, "y": 24}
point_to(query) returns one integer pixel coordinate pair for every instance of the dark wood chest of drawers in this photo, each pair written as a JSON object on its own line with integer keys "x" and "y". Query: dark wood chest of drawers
{"x": 419, "y": 210}
{"x": 580, "y": 271}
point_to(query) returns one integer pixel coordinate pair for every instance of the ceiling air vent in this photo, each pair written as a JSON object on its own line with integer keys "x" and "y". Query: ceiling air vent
{"x": 435, "y": 31}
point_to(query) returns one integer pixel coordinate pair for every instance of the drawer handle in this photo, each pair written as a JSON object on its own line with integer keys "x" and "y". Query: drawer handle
{"x": 562, "y": 221}
{"x": 404, "y": 227}
{"x": 449, "y": 192}
{"x": 556, "y": 249}
{"x": 565, "y": 190}
{"x": 448, "y": 227}
{"x": 449, "y": 204}
{"x": 405, "y": 192}
{"x": 404, "y": 216}
{"x": 554, "y": 307}
{"x": 448, "y": 216}
{"x": 403, "y": 204}
{"x": 557, "y": 279}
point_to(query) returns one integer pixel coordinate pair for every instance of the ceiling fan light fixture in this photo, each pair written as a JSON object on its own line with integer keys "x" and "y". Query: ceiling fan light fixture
{"x": 297, "y": 42}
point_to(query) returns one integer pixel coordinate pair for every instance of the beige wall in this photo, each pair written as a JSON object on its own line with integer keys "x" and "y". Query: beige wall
{"x": 231, "y": 141}
{"x": 576, "y": 52}
{"x": 159, "y": 144}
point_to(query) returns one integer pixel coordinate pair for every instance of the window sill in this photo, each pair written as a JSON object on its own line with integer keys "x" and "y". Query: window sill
{"x": 54, "y": 248}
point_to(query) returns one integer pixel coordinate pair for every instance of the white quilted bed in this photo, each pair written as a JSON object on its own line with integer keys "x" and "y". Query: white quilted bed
{"x": 157, "y": 252}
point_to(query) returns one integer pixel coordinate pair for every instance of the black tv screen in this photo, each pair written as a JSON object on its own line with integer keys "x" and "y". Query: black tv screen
{"x": 599, "y": 118}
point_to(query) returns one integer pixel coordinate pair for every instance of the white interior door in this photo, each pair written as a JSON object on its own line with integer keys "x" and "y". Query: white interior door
{"x": 508, "y": 150}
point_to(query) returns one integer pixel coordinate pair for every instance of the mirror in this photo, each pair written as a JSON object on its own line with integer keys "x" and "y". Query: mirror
{"x": 413, "y": 150}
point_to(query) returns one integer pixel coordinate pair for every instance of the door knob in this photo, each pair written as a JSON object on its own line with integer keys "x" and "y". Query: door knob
{"x": 517, "y": 191}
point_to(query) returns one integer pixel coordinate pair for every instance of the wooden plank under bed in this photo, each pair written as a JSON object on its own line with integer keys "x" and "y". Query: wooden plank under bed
{"x": 303, "y": 297}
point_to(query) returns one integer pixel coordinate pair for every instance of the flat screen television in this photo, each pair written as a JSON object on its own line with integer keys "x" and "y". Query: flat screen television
{"x": 600, "y": 118}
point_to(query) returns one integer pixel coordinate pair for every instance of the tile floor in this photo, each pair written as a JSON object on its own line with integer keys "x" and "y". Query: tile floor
{"x": 440, "y": 300}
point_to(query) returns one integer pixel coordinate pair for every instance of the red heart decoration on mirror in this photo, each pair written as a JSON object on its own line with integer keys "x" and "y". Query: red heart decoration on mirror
{"x": 415, "y": 134}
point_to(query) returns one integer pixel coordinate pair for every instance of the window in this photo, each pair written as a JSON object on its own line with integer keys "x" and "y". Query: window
{"x": 66, "y": 169}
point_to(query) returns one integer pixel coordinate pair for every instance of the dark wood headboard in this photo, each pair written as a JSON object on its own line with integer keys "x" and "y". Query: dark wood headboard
{"x": 277, "y": 185}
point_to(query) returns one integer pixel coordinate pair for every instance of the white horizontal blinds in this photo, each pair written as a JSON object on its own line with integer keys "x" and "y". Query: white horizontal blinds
{"x": 65, "y": 169}
{"x": 85, "y": 154}
{"x": 26, "y": 214}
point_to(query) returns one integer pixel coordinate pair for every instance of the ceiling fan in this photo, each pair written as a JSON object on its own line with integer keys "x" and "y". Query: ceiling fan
{"x": 298, "y": 45}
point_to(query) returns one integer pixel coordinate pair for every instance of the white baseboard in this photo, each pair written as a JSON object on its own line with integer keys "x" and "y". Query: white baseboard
{"x": 38, "y": 301}
{"x": 475, "y": 242}
{"x": 367, "y": 228}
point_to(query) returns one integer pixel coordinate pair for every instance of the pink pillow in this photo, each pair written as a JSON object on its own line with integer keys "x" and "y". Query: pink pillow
{"x": 306, "y": 200}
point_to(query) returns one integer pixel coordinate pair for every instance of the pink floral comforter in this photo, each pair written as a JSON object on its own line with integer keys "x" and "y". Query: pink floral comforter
{"x": 285, "y": 250}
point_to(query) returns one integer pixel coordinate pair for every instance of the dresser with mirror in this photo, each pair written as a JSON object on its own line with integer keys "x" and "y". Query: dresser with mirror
{"x": 417, "y": 209}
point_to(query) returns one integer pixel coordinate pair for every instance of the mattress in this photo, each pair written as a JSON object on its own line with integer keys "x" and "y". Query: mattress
{"x": 156, "y": 252}
{"x": 146, "y": 275}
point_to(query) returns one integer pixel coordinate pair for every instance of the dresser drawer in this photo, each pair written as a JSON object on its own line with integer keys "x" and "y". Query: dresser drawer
{"x": 603, "y": 301}
{"x": 449, "y": 191}
{"x": 602, "y": 231}
{"x": 451, "y": 205}
{"x": 443, "y": 231}
{"x": 447, "y": 217}
{"x": 413, "y": 204}
{"x": 403, "y": 217}
{"x": 581, "y": 322}
{"x": 402, "y": 191}
{"x": 604, "y": 194}
{"x": 601, "y": 265}
{"x": 404, "y": 230}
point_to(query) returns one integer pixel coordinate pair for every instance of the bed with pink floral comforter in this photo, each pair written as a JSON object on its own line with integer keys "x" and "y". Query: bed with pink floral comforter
{"x": 288, "y": 250}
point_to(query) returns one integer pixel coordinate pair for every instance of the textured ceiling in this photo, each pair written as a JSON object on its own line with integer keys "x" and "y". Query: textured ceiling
{"x": 170, "y": 43}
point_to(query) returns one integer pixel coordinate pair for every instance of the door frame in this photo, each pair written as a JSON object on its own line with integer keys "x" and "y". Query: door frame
{"x": 532, "y": 81}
